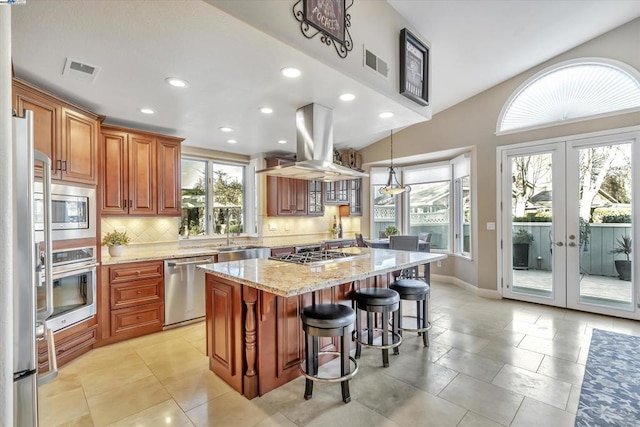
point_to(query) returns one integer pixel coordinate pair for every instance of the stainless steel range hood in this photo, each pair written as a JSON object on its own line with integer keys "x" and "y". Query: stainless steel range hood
{"x": 314, "y": 155}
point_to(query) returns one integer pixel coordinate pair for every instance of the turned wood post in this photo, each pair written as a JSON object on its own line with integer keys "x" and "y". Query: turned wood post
{"x": 250, "y": 296}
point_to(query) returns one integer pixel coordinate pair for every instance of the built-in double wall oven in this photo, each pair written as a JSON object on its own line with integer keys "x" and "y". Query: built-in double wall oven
{"x": 74, "y": 287}
{"x": 73, "y": 211}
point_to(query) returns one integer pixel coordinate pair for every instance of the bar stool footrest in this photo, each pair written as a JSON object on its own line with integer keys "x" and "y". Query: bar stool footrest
{"x": 414, "y": 329}
{"x": 330, "y": 379}
{"x": 395, "y": 342}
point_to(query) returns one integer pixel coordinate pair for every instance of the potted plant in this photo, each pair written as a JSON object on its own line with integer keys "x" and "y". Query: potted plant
{"x": 623, "y": 266}
{"x": 391, "y": 231}
{"x": 115, "y": 240}
{"x": 521, "y": 241}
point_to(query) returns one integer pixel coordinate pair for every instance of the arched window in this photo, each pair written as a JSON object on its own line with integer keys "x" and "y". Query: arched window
{"x": 570, "y": 91}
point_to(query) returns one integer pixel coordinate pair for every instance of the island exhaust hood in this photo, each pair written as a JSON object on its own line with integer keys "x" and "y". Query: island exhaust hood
{"x": 314, "y": 145}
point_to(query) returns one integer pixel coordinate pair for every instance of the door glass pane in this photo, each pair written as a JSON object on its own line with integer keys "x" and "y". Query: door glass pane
{"x": 532, "y": 224}
{"x": 194, "y": 178}
{"x": 429, "y": 211}
{"x": 604, "y": 238}
{"x": 384, "y": 212}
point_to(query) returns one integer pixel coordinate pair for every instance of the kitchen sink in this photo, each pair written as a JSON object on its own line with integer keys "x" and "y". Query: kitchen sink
{"x": 237, "y": 253}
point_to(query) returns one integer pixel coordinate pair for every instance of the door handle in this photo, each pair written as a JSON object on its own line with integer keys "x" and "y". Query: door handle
{"x": 572, "y": 244}
{"x": 559, "y": 244}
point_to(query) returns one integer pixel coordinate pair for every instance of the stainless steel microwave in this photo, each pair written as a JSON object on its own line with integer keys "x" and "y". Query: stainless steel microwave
{"x": 73, "y": 211}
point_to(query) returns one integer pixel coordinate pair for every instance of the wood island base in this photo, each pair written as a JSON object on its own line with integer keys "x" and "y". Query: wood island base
{"x": 255, "y": 340}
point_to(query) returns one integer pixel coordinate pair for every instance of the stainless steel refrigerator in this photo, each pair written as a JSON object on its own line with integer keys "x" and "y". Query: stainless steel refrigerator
{"x": 33, "y": 285}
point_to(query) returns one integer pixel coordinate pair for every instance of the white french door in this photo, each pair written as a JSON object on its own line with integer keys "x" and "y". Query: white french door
{"x": 566, "y": 207}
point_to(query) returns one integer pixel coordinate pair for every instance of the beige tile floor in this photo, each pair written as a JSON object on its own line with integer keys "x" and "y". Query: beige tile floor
{"x": 490, "y": 363}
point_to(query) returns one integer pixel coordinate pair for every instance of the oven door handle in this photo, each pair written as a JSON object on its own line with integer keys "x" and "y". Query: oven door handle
{"x": 180, "y": 264}
{"x": 80, "y": 269}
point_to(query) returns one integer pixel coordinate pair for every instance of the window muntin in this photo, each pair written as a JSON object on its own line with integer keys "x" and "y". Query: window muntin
{"x": 212, "y": 197}
{"x": 570, "y": 91}
{"x": 429, "y": 211}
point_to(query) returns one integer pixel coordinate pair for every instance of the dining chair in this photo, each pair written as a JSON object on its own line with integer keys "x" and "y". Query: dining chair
{"x": 382, "y": 235}
{"x": 424, "y": 236}
{"x": 360, "y": 241}
{"x": 405, "y": 243}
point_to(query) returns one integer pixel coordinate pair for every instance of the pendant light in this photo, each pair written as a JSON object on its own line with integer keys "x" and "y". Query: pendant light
{"x": 393, "y": 187}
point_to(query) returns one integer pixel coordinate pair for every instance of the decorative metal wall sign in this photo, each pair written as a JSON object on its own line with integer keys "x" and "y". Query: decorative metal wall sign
{"x": 330, "y": 19}
{"x": 414, "y": 68}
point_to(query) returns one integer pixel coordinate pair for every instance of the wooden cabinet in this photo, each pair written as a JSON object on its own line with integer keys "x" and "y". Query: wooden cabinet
{"x": 345, "y": 192}
{"x": 225, "y": 330}
{"x": 336, "y": 192}
{"x": 136, "y": 299}
{"x": 70, "y": 343}
{"x": 66, "y": 133}
{"x": 355, "y": 197}
{"x": 140, "y": 173}
{"x": 316, "y": 205}
{"x": 286, "y": 196}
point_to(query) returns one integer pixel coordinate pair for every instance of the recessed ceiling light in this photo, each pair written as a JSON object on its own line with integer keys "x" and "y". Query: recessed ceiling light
{"x": 176, "y": 82}
{"x": 282, "y": 141}
{"x": 225, "y": 129}
{"x": 347, "y": 97}
{"x": 231, "y": 141}
{"x": 290, "y": 72}
{"x": 266, "y": 110}
{"x": 147, "y": 111}
{"x": 385, "y": 115}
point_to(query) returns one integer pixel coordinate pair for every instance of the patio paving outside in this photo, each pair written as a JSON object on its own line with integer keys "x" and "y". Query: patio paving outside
{"x": 598, "y": 287}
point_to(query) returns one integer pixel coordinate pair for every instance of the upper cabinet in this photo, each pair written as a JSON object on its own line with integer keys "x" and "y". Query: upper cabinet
{"x": 140, "y": 173}
{"x": 286, "y": 196}
{"x": 66, "y": 133}
{"x": 345, "y": 192}
{"x": 316, "y": 206}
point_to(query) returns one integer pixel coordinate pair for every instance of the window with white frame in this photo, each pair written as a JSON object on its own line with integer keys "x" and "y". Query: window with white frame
{"x": 384, "y": 207}
{"x": 439, "y": 203}
{"x": 429, "y": 202}
{"x": 212, "y": 198}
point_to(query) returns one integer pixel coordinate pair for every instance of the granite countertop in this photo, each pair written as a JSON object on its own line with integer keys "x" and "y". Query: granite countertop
{"x": 287, "y": 279}
{"x": 151, "y": 252}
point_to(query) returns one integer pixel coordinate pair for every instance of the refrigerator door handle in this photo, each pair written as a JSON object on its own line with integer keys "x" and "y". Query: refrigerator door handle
{"x": 48, "y": 247}
{"x": 53, "y": 361}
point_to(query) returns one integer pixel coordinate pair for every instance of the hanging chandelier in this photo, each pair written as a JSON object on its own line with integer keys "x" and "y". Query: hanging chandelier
{"x": 393, "y": 187}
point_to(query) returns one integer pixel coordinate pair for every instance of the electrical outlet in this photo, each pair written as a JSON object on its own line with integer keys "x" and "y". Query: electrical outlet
{"x": 286, "y": 226}
{"x": 438, "y": 263}
{"x": 272, "y": 226}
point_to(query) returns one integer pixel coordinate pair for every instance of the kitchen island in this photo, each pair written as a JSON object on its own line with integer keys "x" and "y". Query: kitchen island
{"x": 254, "y": 333}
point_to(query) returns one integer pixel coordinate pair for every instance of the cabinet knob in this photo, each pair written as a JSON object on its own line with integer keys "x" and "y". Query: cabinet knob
{"x": 138, "y": 317}
{"x": 139, "y": 292}
{"x": 138, "y": 273}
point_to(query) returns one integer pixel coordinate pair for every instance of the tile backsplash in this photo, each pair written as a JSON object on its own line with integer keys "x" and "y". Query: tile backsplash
{"x": 144, "y": 229}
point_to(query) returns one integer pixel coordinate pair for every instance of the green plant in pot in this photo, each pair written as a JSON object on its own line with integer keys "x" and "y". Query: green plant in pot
{"x": 623, "y": 266}
{"x": 391, "y": 231}
{"x": 522, "y": 239}
{"x": 115, "y": 240}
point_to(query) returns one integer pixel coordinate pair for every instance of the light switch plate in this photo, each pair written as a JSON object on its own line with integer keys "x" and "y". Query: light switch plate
{"x": 491, "y": 226}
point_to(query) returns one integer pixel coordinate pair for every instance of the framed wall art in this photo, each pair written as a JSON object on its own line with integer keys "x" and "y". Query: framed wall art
{"x": 414, "y": 68}
{"x": 329, "y": 18}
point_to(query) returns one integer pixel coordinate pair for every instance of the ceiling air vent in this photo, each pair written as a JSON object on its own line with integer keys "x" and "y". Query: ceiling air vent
{"x": 375, "y": 63}
{"x": 80, "y": 71}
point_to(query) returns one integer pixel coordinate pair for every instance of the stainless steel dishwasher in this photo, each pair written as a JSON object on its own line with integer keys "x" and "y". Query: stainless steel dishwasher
{"x": 184, "y": 289}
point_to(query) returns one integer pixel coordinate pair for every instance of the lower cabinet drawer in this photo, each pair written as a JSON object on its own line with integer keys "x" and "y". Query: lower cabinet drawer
{"x": 139, "y": 320}
{"x": 135, "y": 293}
{"x": 69, "y": 345}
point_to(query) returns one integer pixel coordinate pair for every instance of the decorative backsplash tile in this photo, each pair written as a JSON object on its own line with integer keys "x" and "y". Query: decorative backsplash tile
{"x": 144, "y": 229}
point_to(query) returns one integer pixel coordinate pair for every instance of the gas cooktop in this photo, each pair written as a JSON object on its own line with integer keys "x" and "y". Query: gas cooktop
{"x": 315, "y": 257}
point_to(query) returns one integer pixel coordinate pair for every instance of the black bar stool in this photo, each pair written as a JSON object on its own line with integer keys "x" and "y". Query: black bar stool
{"x": 378, "y": 300}
{"x": 415, "y": 290}
{"x": 328, "y": 320}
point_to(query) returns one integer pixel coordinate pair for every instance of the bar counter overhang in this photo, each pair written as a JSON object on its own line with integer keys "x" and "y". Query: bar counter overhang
{"x": 254, "y": 333}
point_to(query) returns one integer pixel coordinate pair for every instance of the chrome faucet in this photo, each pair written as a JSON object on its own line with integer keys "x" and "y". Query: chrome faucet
{"x": 229, "y": 216}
